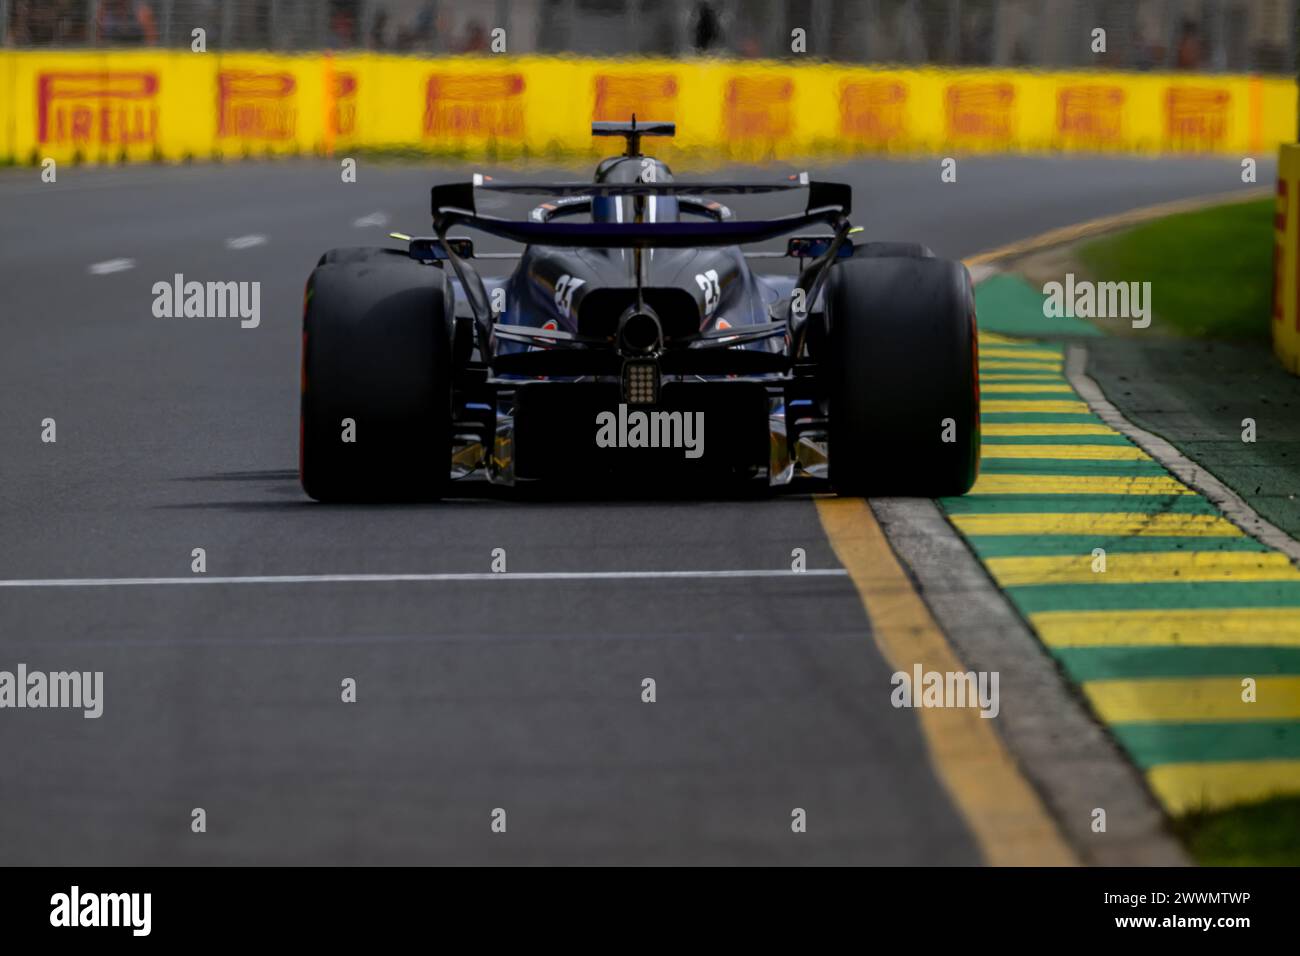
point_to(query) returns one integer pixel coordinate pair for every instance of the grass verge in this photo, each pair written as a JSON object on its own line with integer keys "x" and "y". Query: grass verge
{"x": 1211, "y": 271}
{"x": 1258, "y": 834}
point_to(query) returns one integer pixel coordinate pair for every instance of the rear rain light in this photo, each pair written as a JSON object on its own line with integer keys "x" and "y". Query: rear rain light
{"x": 640, "y": 383}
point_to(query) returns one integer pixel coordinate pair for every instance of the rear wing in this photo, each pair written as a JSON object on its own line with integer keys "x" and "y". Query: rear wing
{"x": 453, "y": 204}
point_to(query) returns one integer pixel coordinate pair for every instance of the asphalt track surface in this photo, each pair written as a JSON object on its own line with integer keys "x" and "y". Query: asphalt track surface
{"x": 525, "y": 695}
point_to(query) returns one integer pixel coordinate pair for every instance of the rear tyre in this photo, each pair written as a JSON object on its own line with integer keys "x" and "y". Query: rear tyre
{"x": 347, "y": 254}
{"x": 892, "y": 250}
{"x": 376, "y": 379}
{"x": 902, "y": 378}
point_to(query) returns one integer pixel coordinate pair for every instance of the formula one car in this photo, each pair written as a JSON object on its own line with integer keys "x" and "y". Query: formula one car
{"x": 633, "y": 342}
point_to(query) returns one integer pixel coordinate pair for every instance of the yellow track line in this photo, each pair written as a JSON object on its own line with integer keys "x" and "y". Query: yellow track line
{"x": 998, "y": 484}
{"x": 995, "y": 338}
{"x": 1105, "y": 524}
{"x": 1193, "y": 699}
{"x": 1184, "y": 787}
{"x": 1007, "y": 365}
{"x": 1147, "y": 567}
{"x": 1052, "y": 355}
{"x": 1003, "y": 812}
{"x": 1186, "y": 627}
{"x": 1053, "y": 406}
{"x": 1066, "y": 452}
{"x": 1019, "y": 377}
{"x": 1041, "y": 429}
{"x": 1032, "y": 387}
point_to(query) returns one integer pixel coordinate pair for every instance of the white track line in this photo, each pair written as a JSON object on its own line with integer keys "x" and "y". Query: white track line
{"x": 109, "y": 266}
{"x": 378, "y": 219}
{"x": 450, "y": 577}
{"x": 245, "y": 242}
{"x": 1232, "y": 505}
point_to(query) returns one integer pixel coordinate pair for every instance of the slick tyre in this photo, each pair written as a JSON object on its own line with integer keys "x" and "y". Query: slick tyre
{"x": 902, "y": 377}
{"x": 376, "y": 379}
{"x": 892, "y": 250}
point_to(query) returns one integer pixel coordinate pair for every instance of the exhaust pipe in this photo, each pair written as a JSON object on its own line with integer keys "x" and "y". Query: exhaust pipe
{"x": 639, "y": 332}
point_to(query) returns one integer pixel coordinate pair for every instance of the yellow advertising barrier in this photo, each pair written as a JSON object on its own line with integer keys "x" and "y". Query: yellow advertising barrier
{"x": 110, "y": 106}
{"x": 1286, "y": 260}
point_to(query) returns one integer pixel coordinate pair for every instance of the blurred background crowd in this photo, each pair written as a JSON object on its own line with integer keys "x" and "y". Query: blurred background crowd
{"x": 1205, "y": 35}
